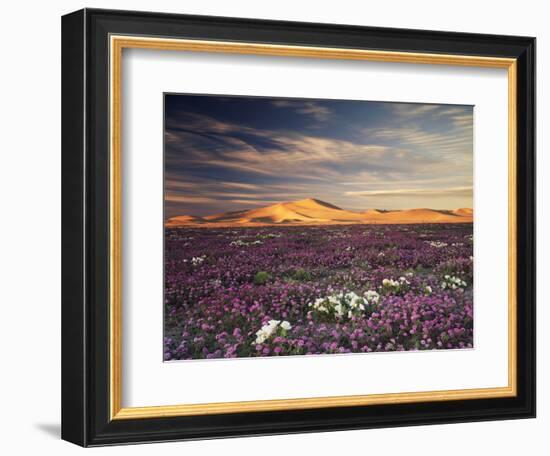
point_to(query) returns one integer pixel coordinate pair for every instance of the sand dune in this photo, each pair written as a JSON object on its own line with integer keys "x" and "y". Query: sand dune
{"x": 372, "y": 212}
{"x": 464, "y": 211}
{"x": 423, "y": 216}
{"x": 184, "y": 220}
{"x": 315, "y": 212}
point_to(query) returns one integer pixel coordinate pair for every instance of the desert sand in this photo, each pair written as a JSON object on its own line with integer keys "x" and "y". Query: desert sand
{"x": 316, "y": 212}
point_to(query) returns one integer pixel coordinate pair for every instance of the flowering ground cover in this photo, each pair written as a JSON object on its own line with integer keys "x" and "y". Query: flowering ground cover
{"x": 294, "y": 290}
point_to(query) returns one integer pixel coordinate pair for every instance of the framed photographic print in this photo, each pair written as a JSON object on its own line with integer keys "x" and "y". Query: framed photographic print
{"x": 278, "y": 227}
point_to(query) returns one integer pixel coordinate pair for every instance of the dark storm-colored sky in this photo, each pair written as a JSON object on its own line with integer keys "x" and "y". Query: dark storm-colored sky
{"x": 227, "y": 153}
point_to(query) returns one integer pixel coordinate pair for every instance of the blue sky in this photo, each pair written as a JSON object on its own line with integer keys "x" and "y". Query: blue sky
{"x": 226, "y": 153}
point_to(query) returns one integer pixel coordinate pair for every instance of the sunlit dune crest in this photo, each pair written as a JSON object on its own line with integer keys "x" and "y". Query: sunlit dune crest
{"x": 186, "y": 219}
{"x": 312, "y": 211}
{"x": 464, "y": 211}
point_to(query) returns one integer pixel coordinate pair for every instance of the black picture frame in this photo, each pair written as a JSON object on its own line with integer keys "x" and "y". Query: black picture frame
{"x": 85, "y": 225}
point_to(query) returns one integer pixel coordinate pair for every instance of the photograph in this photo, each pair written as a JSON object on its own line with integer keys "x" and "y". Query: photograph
{"x": 286, "y": 223}
{"x": 316, "y": 226}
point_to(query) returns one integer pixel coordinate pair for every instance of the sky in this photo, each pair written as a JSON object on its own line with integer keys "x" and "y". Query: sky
{"x": 226, "y": 153}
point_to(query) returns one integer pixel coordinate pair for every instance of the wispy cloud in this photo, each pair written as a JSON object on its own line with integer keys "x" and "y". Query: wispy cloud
{"x": 255, "y": 202}
{"x": 463, "y": 120}
{"x": 187, "y": 199}
{"x": 444, "y": 111}
{"x": 420, "y": 137}
{"x": 413, "y": 109}
{"x": 239, "y": 185}
{"x": 266, "y": 152}
{"x": 426, "y": 111}
{"x": 309, "y": 108}
{"x": 400, "y": 192}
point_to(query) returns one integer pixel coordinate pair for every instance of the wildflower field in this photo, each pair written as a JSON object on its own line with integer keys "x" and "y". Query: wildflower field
{"x": 295, "y": 290}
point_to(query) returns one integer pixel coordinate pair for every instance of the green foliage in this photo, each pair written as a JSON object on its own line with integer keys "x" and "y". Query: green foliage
{"x": 261, "y": 278}
{"x": 301, "y": 275}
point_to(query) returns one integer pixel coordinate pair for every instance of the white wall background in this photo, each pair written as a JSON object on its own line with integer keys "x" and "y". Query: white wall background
{"x": 30, "y": 226}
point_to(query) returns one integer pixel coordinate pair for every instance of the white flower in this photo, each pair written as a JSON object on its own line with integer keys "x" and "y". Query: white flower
{"x": 428, "y": 289}
{"x": 437, "y": 244}
{"x": 354, "y": 299}
{"x": 339, "y": 304}
{"x": 372, "y": 296}
{"x": 390, "y": 283}
{"x": 286, "y": 325}
{"x": 453, "y": 282}
{"x": 240, "y": 243}
{"x": 261, "y": 336}
{"x": 266, "y": 331}
{"x": 197, "y": 260}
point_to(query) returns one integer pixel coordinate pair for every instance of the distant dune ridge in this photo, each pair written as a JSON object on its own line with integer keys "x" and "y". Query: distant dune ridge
{"x": 312, "y": 211}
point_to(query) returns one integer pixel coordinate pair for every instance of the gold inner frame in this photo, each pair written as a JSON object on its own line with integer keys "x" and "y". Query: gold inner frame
{"x": 117, "y": 44}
